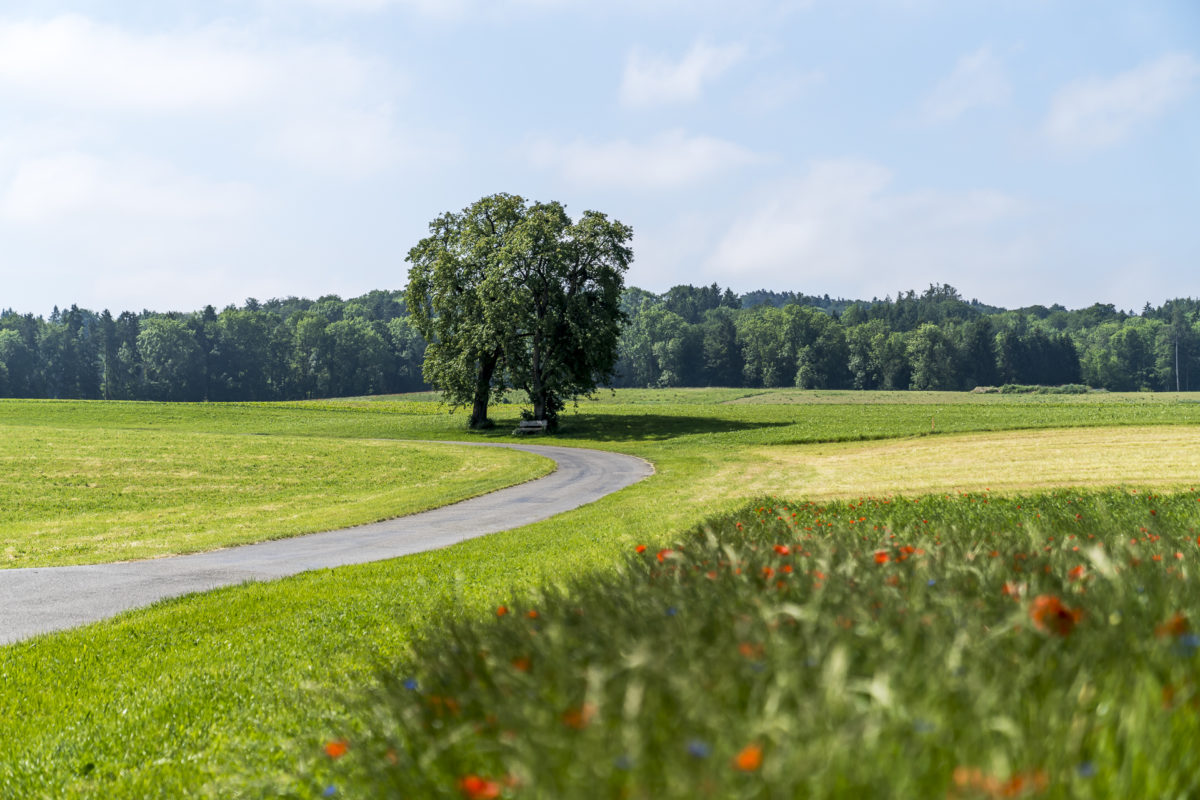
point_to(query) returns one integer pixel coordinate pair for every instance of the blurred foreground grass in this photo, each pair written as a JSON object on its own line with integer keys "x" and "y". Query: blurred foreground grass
{"x": 953, "y": 646}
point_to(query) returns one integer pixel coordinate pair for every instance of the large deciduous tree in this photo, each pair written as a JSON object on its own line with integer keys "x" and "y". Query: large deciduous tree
{"x": 512, "y": 294}
{"x": 448, "y": 300}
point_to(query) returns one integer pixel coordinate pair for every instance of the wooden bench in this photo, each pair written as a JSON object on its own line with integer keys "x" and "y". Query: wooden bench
{"x": 530, "y": 426}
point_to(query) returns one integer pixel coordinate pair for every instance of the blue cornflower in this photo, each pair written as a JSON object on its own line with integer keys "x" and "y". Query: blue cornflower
{"x": 1186, "y": 645}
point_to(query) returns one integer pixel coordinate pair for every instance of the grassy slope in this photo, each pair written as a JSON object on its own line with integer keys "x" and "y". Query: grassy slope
{"x": 86, "y": 495}
{"x": 205, "y": 693}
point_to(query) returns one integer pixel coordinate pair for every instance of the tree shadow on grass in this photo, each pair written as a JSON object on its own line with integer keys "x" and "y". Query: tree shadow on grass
{"x": 647, "y": 427}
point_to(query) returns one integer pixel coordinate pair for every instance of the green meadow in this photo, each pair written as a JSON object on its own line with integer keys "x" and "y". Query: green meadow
{"x": 239, "y": 692}
{"x": 92, "y": 494}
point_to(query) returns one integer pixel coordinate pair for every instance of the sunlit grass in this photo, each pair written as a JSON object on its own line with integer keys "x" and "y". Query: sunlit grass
{"x": 1010, "y": 461}
{"x": 226, "y": 694}
{"x": 852, "y": 397}
{"x": 87, "y": 495}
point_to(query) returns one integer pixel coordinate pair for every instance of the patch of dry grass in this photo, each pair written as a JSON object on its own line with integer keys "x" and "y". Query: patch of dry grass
{"x": 856, "y": 397}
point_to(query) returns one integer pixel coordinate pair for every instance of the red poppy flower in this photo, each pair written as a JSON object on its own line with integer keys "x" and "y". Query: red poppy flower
{"x": 1049, "y": 614}
{"x": 749, "y": 758}
{"x": 1177, "y": 625}
{"x": 579, "y": 718}
{"x": 474, "y": 787}
{"x": 1020, "y": 784}
{"x": 337, "y": 748}
{"x": 751, "y": 650}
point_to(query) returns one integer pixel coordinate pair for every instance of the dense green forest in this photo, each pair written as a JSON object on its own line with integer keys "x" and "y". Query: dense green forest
{"x": 688, "y": 336}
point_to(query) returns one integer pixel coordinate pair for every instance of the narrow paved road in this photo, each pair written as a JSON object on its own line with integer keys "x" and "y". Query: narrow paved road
{"x": 38, "y": 600}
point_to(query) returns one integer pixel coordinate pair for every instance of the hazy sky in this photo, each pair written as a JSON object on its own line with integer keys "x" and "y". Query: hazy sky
{"x": 165, "y": 155}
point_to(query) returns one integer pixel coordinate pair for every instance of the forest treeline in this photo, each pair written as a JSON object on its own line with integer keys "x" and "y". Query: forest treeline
{"x": 688, "y": 336}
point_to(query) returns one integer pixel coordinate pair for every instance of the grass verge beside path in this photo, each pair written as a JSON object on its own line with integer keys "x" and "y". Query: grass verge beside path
{"x": 217, "y": 694}
{"x": 224, "y": 694}
{"x": 92, "y": 494}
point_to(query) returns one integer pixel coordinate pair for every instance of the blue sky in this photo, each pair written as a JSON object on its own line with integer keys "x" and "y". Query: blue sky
{"x": 168, "y": 155}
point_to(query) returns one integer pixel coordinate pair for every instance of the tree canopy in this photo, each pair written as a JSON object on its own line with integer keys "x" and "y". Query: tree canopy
{"x": 512, "y": 294}
{"x": 295, "y": 348}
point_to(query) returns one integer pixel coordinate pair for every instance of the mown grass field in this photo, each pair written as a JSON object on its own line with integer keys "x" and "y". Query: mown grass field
{"x": 93, "y": 494}
{"x": 233, "y": 693}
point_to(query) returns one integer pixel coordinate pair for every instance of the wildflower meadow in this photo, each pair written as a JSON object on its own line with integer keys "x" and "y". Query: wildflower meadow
{"x": 954, "y": 646}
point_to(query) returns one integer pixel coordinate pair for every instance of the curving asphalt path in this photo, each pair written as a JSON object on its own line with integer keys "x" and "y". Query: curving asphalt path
{"x": 43, "y": 599}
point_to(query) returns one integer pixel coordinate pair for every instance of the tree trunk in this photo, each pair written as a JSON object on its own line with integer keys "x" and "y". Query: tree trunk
{"x": 539, "y": 394}
{"x": 483, "y": 389}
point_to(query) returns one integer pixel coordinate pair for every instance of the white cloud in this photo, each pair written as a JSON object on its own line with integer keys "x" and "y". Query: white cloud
{"x": 978, "y": 80}
{"x": 438, "y": 9}
{"x": 317, "y": 106}
{"x": 352, "y": 144}
{"x": 773, "y": 91}
{"x": 359, "y": 5}
{"x": 130, "y": 230}
{"x": 1098, "y": 113}
{"x": 445, "y": 9}
{"x": 842, "y": 226}
{"x": 73, "y": 186}
{"x": 819, "y": 222}
{"x": 670, "y": 160}
{"x": 73, "y": 60}
{"x": 653, "y": 80}
{"x": 19, "y": 143}
{"x": 493, "y": 9}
